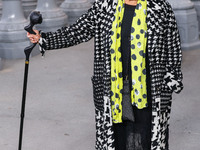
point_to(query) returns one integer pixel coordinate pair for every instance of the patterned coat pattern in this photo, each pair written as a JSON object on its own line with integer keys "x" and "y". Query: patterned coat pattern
{"x": 165, "y": 56}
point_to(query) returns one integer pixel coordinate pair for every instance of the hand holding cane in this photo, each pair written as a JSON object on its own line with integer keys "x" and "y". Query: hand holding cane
{"x": 35, "y": 18}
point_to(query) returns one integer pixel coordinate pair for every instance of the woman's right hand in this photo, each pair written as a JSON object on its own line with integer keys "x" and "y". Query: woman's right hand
{"x": 34, "y": 38}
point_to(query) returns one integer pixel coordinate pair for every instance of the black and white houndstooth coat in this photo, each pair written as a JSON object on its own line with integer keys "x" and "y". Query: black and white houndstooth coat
{"x": 165, "y": 56}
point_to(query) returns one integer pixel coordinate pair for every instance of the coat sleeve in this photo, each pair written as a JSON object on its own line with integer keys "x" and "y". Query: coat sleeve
{"x": 173, "y": 77}
{"x": 81, "y": 31}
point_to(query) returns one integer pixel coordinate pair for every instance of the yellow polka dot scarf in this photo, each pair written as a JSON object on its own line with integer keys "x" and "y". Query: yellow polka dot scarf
{"x": 138, "y": 66}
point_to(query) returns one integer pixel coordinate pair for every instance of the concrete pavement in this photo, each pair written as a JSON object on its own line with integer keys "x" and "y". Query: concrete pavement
{"x": 60, "y": 110}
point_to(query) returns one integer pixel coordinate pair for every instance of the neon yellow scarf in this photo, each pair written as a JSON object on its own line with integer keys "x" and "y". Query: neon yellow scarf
{"x": 138, "y": 65}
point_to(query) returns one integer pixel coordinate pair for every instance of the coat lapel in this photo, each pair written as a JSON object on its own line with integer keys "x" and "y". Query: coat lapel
{"x": 150, "y": 31}
{"x": 154, "y": 30}
{"x": 153, "y": 53}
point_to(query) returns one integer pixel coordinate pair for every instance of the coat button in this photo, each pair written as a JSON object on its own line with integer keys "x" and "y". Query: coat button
{"x": 158, "y": 88}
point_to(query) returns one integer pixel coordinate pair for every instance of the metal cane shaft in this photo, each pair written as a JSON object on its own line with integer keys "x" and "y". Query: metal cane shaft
{"x": 23, "y": 103}
{"x": 35, "y": 18}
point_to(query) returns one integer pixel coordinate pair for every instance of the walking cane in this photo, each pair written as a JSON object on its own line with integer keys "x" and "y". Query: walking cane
{"x": 35, "y": 18}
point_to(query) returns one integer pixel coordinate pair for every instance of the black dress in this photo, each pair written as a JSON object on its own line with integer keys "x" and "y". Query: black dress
{"x": 133, "y": 135}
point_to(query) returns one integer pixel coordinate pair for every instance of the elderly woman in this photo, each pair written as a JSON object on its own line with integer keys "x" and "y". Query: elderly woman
{"x": 137, "y": 67}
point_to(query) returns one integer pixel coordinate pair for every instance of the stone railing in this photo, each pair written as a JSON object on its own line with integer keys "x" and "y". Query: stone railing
{"x": 197, "y": 7}
{"x": 58, "y": 13}
{"x": 188, "y": 25}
